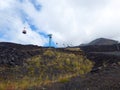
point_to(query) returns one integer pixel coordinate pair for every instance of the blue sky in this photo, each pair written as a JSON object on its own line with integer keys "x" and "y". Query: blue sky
{"x": 71, "y": 22}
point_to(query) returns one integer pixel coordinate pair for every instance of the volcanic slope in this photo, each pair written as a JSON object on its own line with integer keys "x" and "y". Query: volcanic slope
{"x": 102, "y": 51}
{"x": 15, "y": 54}
{"x": 38, "y": 68}
{"x": 34, "y": 67}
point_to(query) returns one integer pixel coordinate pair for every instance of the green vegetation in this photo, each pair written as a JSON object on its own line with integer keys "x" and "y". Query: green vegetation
{"x": 52, "y": 66}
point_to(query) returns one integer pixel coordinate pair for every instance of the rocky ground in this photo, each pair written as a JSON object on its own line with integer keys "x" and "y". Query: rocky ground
{"x": 106, "y": 79}
{"x": 14, "y": 54}
{"x": 102, "y": 54}
{"x": 105, "y": 74}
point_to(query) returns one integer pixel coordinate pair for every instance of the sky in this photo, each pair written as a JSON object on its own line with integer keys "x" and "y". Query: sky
{"x": 71, "y": 22}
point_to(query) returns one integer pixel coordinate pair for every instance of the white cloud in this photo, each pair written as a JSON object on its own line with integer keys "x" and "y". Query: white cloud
{"x": 70, "y": 21}
{"x": 11, "y": 25}
{"x": 74, "y": 20}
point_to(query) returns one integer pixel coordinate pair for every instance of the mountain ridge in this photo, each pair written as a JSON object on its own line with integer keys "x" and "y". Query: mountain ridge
{"x": 103, "y": 41}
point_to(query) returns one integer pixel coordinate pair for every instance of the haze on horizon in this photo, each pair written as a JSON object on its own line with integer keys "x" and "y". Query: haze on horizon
{"x": 70, "y": 21}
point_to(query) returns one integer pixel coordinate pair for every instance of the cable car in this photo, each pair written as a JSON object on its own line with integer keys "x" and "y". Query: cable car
{"x": 24, "y": 31}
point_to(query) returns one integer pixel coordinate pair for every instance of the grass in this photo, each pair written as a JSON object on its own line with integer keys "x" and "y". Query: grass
{"x": 52, "y": 66}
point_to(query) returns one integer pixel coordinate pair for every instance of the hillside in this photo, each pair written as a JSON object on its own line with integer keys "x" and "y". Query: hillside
{"x": 106, "y": 79}
{"x": 34, "y": 67}
{"x": 102, "y": 51}
{"x": 14, "y": 54}
{"x": 29, "y": 67}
